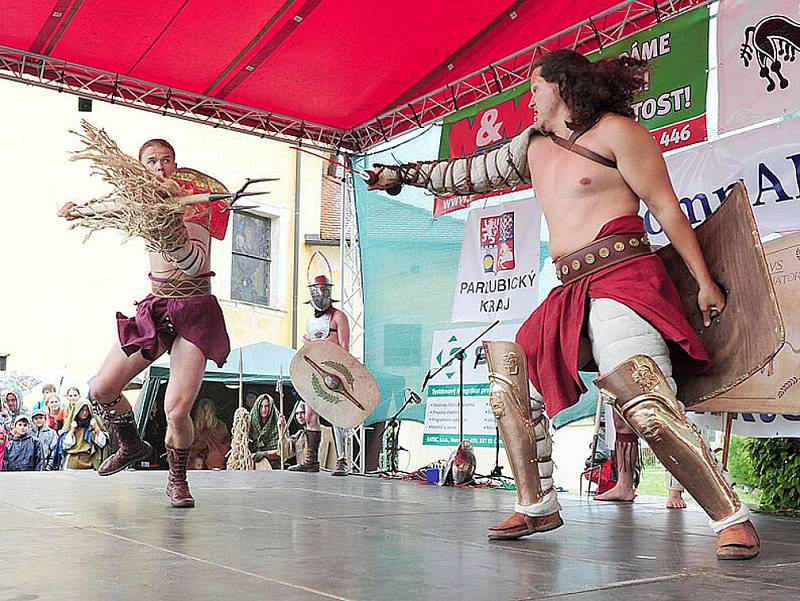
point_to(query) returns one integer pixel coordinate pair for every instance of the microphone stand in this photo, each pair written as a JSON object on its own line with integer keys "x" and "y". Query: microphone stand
{"x": 393, "y": 440}
{"x": 459, "y": 354}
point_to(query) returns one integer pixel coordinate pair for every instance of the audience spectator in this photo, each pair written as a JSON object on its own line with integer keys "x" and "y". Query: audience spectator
{"x": 296, "y": 443}
{"x": 264, "y": 435}
{"x": 24, "y": 452}
{"x": 73, "y": 396}
{"x": 55, "y": 413}
{"x": 45, "y": 434}
{"x": 3, "y": 442}
{"x": 48, "y": 392}
{"x": 211, "y": 438}
{"x": 10, "y": 409}
{"x": 85, "y": 441}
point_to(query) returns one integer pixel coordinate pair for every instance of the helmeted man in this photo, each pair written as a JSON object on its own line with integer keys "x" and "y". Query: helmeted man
{"x": 180, "y": 316}
{"x": 615, "y": 291}
{"x": 330, "y": 324}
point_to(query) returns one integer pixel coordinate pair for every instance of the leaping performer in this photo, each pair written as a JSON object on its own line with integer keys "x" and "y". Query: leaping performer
{"x": 614, "y": 289}
{"x": 176, "y": 215}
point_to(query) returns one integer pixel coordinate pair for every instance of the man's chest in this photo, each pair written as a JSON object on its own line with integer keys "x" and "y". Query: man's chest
{"x": 558, "y": 173}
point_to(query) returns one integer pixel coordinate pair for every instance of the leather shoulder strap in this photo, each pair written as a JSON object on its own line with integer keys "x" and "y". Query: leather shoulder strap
{"x": 573, "y": 146}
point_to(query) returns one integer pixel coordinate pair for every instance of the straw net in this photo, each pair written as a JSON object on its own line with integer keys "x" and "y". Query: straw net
{"x": 141, "y": 204}
{"x": 239, "y": 457}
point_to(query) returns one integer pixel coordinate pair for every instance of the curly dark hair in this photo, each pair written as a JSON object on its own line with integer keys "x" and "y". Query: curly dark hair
{"x": 592, "y": 89}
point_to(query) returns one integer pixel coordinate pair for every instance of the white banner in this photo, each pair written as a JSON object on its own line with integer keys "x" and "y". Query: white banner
{"x": 759, "y": 76}
{"x": 499, "y": 263}
{"x": 767, "y": 158}
{"x": 776, "y": 387}
{"x": 754, "y": 425}
{"x": 441, "y": 408}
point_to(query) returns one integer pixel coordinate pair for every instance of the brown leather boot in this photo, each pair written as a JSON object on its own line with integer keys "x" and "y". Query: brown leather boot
{"x": 310, "y": 462}
{"x": 177, "y": 485}
{"x": 131, "y": 447}
{"x": 519, "y": 525}
{"x": 341, "y": 469}
{"x": 739, "y": 541}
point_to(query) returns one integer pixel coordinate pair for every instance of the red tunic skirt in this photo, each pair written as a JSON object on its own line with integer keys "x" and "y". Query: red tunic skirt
{"x": 158, "y": 321}
{"x": 551, "y": 335}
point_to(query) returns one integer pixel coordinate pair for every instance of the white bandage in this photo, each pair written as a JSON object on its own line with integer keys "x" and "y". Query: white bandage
{"x": 735, "y": 518}
{"x": 503, "y": 167}
{"x": 617, "y": 333}
{"x": 549, "y": 504}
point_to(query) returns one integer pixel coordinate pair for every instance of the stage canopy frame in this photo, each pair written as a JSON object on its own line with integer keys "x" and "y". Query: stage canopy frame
{"x": 256, "y": 84}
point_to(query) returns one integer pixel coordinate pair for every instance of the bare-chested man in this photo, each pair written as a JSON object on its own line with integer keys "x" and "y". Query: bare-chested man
{"x": 590, "y": 163}
{"x": 329, "y": 324}
{"x": 180, "y": 316}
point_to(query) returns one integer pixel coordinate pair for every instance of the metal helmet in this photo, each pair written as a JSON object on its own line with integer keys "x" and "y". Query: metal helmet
{"x": 321, "y": 288}
{"x": 320, "y": 285}
{"x": 461, "y": 465}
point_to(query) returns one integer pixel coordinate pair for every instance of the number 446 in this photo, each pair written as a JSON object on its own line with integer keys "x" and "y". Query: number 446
{"x": 675, "y": 135}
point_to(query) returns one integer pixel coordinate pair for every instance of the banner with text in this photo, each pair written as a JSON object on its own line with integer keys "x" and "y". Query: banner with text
{"x": 776, "y": 387}
{"x": 499, "y": 263}
{"x": 759, "y": 78}
{"x": 753, "y": 425}
{"x": 441, "y": 407}
{"x": 767, "y": 159}
{"x": 673, "y": 108}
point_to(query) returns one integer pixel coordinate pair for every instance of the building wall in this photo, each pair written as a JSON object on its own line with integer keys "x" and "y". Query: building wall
{"x": 60, "y": 295}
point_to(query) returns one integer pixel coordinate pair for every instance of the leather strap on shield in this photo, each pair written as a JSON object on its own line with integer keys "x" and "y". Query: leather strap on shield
{"x": 749, "y": 332}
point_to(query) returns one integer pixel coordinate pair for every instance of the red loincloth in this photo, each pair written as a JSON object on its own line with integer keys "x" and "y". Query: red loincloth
{"x": 158, "y": 321}
{"x": 551, "y": 335}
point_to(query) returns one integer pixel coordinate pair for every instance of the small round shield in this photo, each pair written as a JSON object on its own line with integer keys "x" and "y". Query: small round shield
{"x": 334, "y": 383}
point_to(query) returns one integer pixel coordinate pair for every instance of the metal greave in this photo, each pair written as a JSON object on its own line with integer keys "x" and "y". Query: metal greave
{"x": 524, "y": 429}
{"x": 647, "y": 404}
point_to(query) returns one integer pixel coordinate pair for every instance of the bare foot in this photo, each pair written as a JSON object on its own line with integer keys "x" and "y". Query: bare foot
{"x": 619, "y": 494}
{"x": 675, "y": 500}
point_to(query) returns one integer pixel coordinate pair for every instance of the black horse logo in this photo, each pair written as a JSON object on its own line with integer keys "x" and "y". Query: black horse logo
{"x": 773, "y": 37}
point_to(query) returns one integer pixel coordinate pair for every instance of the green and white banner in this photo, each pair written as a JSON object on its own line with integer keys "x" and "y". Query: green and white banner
{"x": 673, "y": 107}
{"x": 441, "y": 409}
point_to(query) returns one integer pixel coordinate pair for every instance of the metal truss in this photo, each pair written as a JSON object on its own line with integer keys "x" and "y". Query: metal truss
{"x": 605, "y": 28}
{"x": 352, "y": 300}
{"x": 54, "y": 74}
{"x": 596, "y": 32}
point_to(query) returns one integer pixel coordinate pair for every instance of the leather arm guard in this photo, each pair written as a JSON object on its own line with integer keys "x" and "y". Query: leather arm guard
{"x": 524, "y": 429}
{"x": 647, "y": 404}
{"x": 189, "y": 257}
{"x": 503, "y": 167}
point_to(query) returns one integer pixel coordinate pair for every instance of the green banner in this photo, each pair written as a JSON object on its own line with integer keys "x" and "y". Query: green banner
{"x": 673, "y": 108}
{"x": 677, "y": 50}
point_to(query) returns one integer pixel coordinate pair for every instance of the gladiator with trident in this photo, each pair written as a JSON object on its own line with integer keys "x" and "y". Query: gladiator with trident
{"x": 177, "y": 216}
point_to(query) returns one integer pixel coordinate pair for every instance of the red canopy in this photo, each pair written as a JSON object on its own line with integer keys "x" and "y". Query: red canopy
{"x": 340, "y": 72}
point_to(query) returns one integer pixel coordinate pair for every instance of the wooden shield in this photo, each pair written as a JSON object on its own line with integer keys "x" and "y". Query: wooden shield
{"x": 334, "y": 383}
{"x": 749, "y": 332}
{"x": 776, "y": 387}
{"x": 200, "y": 179}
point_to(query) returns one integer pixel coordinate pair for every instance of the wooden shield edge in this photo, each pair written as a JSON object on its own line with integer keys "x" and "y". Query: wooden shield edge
{"x": 764, "y": 270}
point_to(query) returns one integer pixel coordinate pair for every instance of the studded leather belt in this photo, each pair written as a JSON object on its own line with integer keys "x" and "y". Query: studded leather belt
{"x": 601, "y": 254}
{"x": 182, "y": 288}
